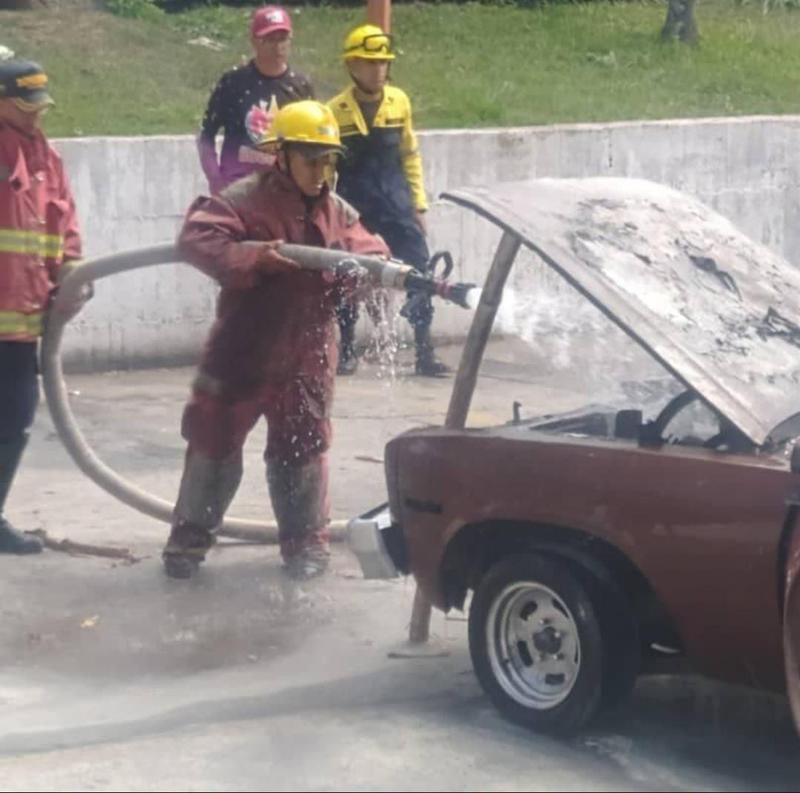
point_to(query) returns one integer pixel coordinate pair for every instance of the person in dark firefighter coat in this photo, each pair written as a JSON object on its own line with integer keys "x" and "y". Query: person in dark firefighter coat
{"x": 39, "y": 238}
{"x": 272, "y": 351}
{"x": 380, "y": 174}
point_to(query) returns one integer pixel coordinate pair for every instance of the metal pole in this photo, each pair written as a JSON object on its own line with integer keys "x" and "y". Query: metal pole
{"x": 379, "y": 12}
{"x": 464, "y": 386}
{"x": 791, "y": 625}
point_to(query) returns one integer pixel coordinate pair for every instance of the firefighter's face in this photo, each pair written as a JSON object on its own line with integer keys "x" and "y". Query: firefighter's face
{"x": 25, "y": 120}
{"x": 309, "y": 173}
{"x": 370, "y": 76}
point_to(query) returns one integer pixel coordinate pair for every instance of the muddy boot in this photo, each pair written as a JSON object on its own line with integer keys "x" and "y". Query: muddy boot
{"x": 186, "y": 549}
{"x": 12, "y": 540}
{"x": 310, "y": 563}
{"x": 299, "y": 495}
{"x": 427, "y": 364}
{"x": 207, "y": 489}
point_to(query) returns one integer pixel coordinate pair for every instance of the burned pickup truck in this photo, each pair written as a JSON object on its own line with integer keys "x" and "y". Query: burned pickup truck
{"x": 594, "y": 543}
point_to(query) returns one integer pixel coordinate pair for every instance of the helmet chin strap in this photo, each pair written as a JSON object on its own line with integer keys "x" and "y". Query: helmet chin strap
{"x": 364, "y": 90}
{"x": 287, "y": 167}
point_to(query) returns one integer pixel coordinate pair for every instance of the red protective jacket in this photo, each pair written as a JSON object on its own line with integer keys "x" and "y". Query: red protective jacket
{"x": 270, "y": 328}
{"x": 38, "y": 230}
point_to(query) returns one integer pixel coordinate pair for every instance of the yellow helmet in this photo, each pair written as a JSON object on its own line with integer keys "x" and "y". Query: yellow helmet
{"x": 368, "y": 42}
{"x": 308, "y": 122}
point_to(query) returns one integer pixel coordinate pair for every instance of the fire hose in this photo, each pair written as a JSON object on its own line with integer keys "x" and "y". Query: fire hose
{"x": 376, "y": 271}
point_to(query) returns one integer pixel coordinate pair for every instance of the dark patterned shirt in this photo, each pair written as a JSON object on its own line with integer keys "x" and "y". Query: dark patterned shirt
{"x": 243, "y": 104}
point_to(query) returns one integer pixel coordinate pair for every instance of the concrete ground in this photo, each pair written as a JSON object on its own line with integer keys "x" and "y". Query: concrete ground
{"x": 112, "y": 677}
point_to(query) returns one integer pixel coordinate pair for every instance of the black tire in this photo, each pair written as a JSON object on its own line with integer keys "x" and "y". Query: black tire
{"x": 502, "y": 593}
{"x": 622, "y": 651}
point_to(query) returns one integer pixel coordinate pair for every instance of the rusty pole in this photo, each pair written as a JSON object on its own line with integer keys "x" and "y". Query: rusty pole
{"x": 464, "y": 386}
{"x": 791, "y": 625}
{"x": 379, "y": 12}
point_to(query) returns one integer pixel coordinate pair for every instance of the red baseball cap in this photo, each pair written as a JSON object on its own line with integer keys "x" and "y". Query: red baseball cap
{"x": 268, "y": 19}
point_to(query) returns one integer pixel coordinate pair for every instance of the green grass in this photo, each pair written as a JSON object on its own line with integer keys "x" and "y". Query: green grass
{"x": 464, "y": 65}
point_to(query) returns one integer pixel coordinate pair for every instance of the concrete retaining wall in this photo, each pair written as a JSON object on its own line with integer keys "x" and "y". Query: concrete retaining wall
{"x": 133, "y": 192}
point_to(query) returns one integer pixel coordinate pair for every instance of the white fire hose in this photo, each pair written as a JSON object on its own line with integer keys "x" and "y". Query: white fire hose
{"x": 380, "y": 272}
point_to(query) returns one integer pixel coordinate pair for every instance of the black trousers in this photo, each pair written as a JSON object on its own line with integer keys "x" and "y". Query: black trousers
{"x": 19, "y": 388}
{"x": 19, "y": 393}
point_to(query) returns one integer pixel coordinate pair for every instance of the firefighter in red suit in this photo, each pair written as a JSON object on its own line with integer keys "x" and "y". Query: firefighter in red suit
{"x": 39, "y": 242}
{"x": 272, "y": 351}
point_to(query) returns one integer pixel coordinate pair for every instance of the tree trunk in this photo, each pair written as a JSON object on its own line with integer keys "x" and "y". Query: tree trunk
{"x": 19, "y": 5}
{"x": 680, "y": 24}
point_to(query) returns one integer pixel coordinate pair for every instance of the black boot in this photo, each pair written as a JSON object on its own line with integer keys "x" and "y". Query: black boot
{"x": 427, "y": 364}
{"x": 348, "y": 363}
{"x": 12, "y": 540}
{"x": 347, "y": 315}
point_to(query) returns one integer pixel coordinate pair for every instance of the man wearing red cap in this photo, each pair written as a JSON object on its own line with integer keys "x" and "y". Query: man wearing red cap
{"x": 245, "y": 100}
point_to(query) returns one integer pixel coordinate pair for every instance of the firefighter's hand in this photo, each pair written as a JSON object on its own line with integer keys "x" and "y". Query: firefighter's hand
{"x": 348, "y": 280}
{"x": 355, "y": 283}
{"x": 85, "y": 294}
{"x": 271, "y": 262}
{"x": 68, "y": 307}
{"x": 421, "y": 221}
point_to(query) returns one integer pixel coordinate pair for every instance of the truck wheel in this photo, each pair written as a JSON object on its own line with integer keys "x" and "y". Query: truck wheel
{"x": 536, "y": 645}
{"x": 621, "y": 642}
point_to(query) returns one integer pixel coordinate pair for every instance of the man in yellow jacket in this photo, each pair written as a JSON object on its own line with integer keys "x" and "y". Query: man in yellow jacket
{"x": 380, "y": 174}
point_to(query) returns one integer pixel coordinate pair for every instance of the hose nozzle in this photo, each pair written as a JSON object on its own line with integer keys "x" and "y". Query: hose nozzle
{"x": 440, "y": 287}
{"x": 386, "y": 273}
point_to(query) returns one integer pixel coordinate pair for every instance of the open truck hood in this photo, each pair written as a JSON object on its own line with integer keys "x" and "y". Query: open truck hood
{"x": 716, "y": 309}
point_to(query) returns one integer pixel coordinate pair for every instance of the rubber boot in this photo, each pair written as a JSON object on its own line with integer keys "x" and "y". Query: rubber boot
{"x": 186, "y": 549}
{"x": 427, "y": 364}
{"x": 12, "y": 540}
{"x": 347, "y": 316}
{"x": 207, "y": 489}
{"x": 299, "y": 495}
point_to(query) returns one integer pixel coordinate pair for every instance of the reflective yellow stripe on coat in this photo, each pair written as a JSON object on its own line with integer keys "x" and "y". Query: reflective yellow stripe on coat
{"x": 14, "y": 323}
{"x": 31, "y": 243}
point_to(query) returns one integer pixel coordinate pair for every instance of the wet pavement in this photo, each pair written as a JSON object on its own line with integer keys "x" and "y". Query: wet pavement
{"x": 112, "y": 677}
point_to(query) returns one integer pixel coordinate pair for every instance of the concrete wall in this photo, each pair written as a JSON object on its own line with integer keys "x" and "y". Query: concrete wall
{"x": 133, "y": 192}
